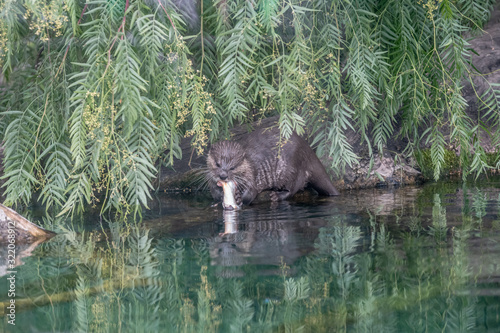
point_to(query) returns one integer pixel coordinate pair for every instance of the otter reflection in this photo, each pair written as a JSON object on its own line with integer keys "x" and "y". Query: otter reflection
{"x": 262, "y": 237}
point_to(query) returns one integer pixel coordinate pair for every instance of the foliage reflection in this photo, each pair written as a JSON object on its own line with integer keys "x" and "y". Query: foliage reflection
{"x": 434, "y": 270}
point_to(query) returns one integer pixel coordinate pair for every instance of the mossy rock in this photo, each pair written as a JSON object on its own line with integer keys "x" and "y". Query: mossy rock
{"x": 450, "y": 166}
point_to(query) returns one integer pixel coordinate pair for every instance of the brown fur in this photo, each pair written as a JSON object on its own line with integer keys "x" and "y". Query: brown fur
{"x": 256, "y": 164}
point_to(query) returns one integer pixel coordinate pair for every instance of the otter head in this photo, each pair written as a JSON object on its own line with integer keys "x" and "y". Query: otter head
{"x": 226, "y": 160}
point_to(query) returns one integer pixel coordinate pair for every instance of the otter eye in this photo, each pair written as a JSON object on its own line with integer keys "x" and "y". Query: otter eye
{"x": 217, "y": 164}
{"x": 232, "y": 169}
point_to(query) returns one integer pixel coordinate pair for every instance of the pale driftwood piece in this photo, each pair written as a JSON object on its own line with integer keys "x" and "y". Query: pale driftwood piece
{"x": 24, "y": 304}
{"x": 28, "y": 231}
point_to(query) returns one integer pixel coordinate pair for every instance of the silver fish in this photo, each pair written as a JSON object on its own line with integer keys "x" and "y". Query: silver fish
{"x": 229, "y": 201}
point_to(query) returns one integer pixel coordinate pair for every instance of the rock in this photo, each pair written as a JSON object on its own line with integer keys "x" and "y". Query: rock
{"x": 487, "y": 45}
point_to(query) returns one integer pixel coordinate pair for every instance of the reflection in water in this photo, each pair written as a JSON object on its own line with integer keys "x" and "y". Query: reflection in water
{"x": 230, "y": 221}
{"x": 386, "y": 260}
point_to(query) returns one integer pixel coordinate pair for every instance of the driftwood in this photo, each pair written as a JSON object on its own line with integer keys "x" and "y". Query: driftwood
{"x": 18, "y": 238}
{"x": 24, "y": 230}
{"x": 24, "y": 304}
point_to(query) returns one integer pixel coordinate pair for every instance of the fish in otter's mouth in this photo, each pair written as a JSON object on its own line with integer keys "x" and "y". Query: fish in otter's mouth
{"x": 229, "y": 198}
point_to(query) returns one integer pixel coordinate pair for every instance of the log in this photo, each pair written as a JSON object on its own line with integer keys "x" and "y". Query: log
{"x": 24, "y": 230}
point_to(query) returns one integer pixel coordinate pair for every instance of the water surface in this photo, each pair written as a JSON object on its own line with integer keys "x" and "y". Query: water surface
{"x": 410, "y": 259}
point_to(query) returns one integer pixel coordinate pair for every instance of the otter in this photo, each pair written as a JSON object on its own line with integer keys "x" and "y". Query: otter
{"x": 256, "y": 163}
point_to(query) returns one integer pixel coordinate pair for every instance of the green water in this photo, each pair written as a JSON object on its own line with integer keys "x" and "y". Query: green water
{"x": 411, "y": 259}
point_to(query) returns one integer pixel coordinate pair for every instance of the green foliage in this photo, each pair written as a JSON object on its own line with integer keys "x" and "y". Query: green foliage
{"x": 97, "y": 94}
{"x": 451, "y": 162}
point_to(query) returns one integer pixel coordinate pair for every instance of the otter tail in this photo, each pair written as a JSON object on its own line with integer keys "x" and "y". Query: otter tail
{"x": 320, "y": 181}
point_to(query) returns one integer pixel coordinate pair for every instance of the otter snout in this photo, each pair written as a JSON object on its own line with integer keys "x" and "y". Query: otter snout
{"x": 223, "y": 175}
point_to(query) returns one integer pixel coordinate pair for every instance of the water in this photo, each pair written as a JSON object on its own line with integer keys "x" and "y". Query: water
{"x": 411, "y": 259}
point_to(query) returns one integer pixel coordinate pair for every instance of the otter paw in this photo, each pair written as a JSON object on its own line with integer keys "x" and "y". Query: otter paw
{"x": 237, "y": 197}
{"x": 279, "y": 195}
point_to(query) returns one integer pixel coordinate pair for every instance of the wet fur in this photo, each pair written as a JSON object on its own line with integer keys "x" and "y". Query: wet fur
{"x": 256, "y": 163}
